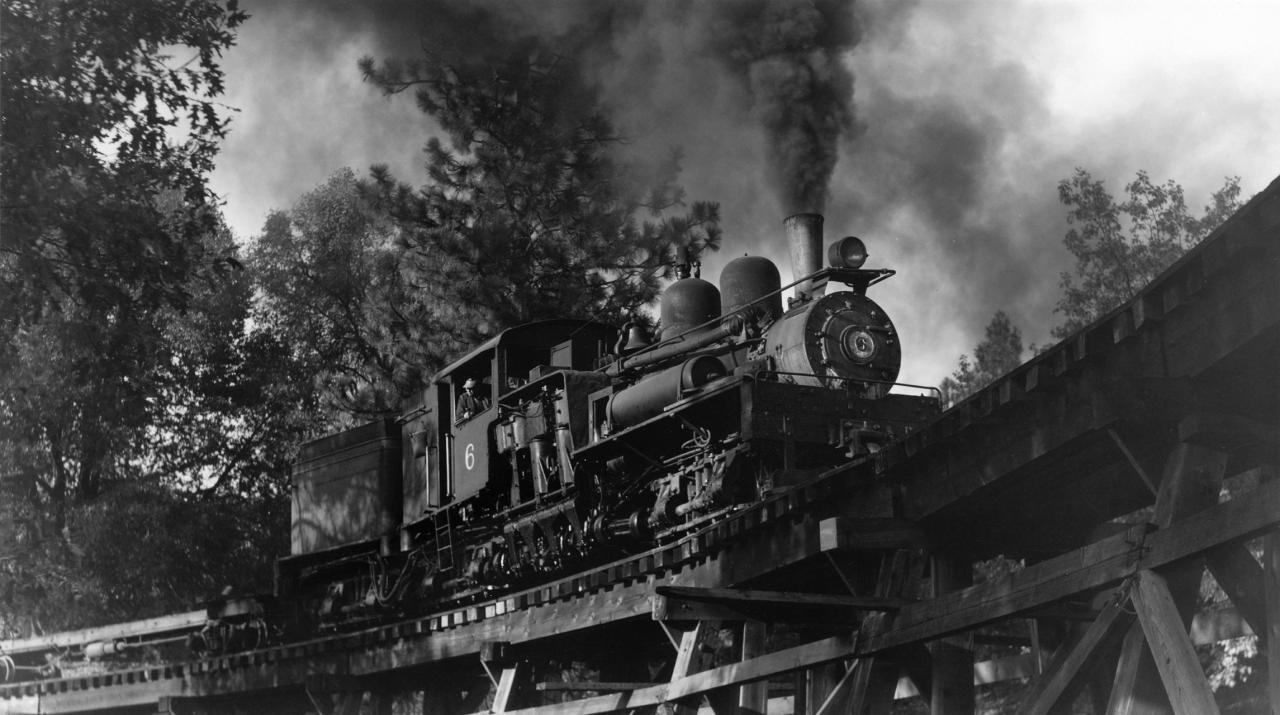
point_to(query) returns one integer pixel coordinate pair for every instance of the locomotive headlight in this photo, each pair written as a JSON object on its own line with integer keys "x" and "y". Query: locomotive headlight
{"x": 848, "y": 252}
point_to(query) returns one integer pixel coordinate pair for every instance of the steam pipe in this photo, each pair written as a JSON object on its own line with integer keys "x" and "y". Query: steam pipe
{"x": 677, "y": 346}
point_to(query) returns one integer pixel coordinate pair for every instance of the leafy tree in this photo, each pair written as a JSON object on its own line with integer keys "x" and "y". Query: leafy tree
{"x": 999, "y": 352}
{"x": 203, "y": 418}
{"x": 140, "y": 550}
{"x": 228, "y": 415}
{"x": 1120, "y": 246}
{"x": 532, "y": 211}
{"x": 125, "y": 371}
{"x": 106, "y": 143}
{"x": 332, "y": 295}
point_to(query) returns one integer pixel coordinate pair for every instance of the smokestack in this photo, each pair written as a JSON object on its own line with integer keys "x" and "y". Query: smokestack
{"x": 804, "y": 236}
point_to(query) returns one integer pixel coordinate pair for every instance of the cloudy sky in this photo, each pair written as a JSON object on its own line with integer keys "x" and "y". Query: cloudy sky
{"x": 967, "y": 114}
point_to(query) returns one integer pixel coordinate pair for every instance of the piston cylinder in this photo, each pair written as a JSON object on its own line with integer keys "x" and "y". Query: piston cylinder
{"x": 650, "y": 396}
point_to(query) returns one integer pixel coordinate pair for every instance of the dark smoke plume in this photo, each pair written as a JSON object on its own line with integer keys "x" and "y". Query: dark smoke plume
{"x": 785, "y": 54}
{"x": 789, "y": 52}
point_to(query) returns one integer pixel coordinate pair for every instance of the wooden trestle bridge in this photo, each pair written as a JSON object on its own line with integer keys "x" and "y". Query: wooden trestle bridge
{"x": 1116, "y": 467}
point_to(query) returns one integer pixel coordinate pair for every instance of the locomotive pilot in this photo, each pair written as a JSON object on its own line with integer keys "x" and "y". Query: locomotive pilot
{"x": 471, "y": 403}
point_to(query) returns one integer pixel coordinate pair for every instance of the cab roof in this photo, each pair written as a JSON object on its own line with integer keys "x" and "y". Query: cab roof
{"x": 542, "y": 333}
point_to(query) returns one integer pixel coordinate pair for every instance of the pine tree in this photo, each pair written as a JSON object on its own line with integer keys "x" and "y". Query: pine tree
{"x": 999, "y": 352}
{"x": 532, "y": 211}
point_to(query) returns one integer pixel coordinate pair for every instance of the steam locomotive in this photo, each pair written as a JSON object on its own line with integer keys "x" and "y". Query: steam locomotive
{"x": 578, "y": 442}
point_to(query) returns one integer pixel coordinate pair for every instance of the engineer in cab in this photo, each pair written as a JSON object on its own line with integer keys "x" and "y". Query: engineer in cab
{"x": 471, "y": 403}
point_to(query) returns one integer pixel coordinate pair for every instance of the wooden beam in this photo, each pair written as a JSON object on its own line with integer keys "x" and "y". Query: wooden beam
{"x": 874, "y": 683}
{"x": 1068, "y": 670}
{"x": 867, "y": 686}
{"x": 1226, "y": 430}
{"x": 1124, "y": 686}
{"x": 330, "y": 683}
{"x": 753, "y": 698}
{"x": 559, "y": 687}
{"x": 803, "y": 656}
{"x": 953, "y": 690}
{"x": 1241, "y": 578}
{"x": 1175, "y": 657}
{"x": 508, "y": 688}
{"x": 1192, "y": 480}
{"x": 836, "y": 700}
{"x": 1133, "y": 460}
{"x": 443, "y": 690}
{"x": 172, "y": 705}
{"x": 848, "y": 533}
{"x": 686, "y": 603}
{"x": 876, "y": 677}
{"x": 1106, "y": 561}
{"x": 822, "y": 686}
{"x": 686, "y": 664}
{"x": 349, "y": 703}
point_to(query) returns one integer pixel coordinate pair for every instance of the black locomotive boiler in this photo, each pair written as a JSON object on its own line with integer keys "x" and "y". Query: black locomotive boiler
{"x": 577, "y": 442}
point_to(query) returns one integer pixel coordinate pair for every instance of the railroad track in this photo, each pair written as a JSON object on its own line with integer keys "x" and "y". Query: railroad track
{"x": 774, "y": 514}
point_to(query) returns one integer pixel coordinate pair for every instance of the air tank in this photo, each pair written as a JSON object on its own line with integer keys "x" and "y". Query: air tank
{"x": 746, "y": 280}
{"x": 687, "y": 303}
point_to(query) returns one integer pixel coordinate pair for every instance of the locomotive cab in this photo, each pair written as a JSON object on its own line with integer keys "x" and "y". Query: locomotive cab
{"x": 454, "y": 448}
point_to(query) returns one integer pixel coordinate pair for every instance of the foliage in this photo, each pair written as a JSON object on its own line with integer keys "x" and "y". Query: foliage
{"x": 140, "y": 550}
{"x": 1120, "y": 246}
{"x": 199, "y": 409}
{"x": 107, "y": 142}
{"x": 127, "y": 381}
{"x": 105, "y": 220}
{"x": 999, "y": 352}
{"x": 331, "y": 290}
{"x": 533, "y": 212}
{"x": 228, "y": 414}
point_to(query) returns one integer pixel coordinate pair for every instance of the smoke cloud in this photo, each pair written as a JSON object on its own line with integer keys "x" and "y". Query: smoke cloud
{"x": 945, "y": 159}
{"x": 785, "y": 56}
{"x": 802, "y": 92}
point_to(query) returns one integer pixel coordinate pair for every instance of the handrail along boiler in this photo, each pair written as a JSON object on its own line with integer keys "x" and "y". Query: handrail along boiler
{"x": 590, "y": 442}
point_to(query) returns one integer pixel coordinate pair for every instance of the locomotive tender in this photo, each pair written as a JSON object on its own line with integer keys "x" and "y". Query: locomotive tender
{"x": 587, "y": 442}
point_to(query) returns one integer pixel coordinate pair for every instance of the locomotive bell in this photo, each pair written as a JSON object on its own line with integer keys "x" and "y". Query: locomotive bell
{"x": 748, "y": 279}
{"x": 687, "y": 303}
{"x": 637, "y": 338}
